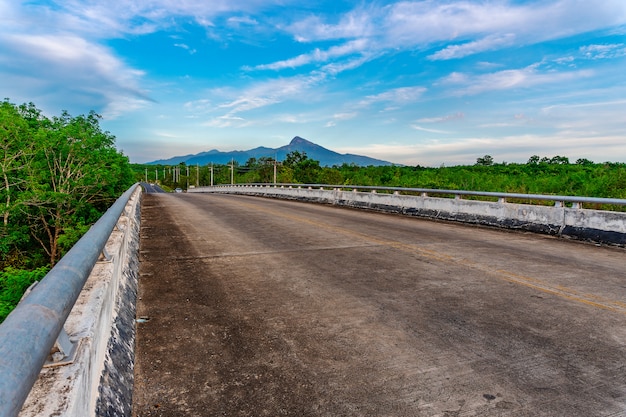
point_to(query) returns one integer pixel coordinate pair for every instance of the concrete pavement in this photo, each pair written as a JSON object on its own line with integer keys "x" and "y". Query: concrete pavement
{"x": 254, "y": 307}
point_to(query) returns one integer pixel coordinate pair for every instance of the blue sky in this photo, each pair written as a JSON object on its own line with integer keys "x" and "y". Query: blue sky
{"x": 411, "y": 82}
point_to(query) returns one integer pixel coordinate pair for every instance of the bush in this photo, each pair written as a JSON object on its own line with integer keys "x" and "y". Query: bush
{"x": 13, "y": 283}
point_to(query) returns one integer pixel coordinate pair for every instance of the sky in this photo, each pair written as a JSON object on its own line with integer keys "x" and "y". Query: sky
{"x": 427, "y": 83}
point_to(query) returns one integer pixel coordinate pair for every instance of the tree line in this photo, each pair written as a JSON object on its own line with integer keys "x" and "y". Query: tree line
{"x": 58, "y": 175}
{"x": 539, "y": 175}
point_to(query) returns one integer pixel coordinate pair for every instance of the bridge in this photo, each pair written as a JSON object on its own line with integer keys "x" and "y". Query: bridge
{"x": 265, "y": 306}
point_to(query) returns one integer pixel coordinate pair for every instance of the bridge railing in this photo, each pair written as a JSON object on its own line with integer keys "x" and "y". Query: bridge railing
{"x": 559, "y": 200}
{"x": 29, "y": 333}
{"x": 602, "y": 220}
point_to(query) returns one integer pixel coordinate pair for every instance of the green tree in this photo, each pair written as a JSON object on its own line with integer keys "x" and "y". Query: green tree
{"x": 293, "y": 158}
{"x": 15, "y": 156}
{"x": 305, "y": 169}
{"x": 486, "y": 160}
{"x": 533, "y": 160}
{"x": 75, "y": 172}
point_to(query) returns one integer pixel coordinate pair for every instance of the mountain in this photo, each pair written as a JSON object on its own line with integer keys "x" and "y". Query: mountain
{"x": 326, "y": 157}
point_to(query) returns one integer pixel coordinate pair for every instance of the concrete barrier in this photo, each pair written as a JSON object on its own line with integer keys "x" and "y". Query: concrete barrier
{"x": 102, "y": 322}
{"x": 576, "y": 223}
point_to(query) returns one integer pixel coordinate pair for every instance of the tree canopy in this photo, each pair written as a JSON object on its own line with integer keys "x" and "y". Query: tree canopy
{"x": 58, "y": 175}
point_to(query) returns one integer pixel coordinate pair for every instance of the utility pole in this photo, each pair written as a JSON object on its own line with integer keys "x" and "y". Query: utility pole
{"x": 146, "y": 174}
{"x": 187, "y": 176}
{"x": 211, "y": 174}
{"x": 197, "y": 175}
{"x": 232, "y": 171}
{"x": 275, "y": 163}
{"x": 156, "y": 175}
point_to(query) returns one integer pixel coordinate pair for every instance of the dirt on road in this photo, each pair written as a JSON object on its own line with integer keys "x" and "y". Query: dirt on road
{"x": 252, "y": 307}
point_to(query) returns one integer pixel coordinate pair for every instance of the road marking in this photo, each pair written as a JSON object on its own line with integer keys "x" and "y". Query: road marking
{"x": 530, "y": 282}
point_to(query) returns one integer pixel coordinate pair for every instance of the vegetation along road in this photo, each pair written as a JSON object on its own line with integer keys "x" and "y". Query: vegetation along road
{"x": 257, "y": 307}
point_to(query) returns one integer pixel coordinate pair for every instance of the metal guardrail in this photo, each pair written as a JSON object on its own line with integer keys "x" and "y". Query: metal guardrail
{"x": 28, "y": 334}
{"x": 558, "y": 199}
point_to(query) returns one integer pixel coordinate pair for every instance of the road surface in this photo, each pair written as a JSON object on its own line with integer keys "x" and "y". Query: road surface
{"x": 257, "y": 307}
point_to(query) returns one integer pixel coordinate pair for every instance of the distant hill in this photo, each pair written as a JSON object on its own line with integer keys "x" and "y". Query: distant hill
{"x": 326, "y": 157}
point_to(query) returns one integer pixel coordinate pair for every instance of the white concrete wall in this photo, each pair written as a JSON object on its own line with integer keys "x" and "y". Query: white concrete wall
{"x": 94, "y": 323}
{"x": 594, "y": 225}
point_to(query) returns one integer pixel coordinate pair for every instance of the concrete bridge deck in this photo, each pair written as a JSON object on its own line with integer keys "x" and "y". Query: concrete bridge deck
{"x": 253, "y": 307}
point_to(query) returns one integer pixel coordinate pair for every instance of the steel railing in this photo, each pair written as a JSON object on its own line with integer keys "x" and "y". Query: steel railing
{"x": 28, "y": 334}
{"x": 558, "y": 199}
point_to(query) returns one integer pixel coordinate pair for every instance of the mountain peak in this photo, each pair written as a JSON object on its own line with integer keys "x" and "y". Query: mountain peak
{"x": 297, "y": 140}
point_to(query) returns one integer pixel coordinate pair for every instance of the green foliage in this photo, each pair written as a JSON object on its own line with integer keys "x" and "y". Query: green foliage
{"x": 540, "y": 175}
{"x": 13, "y": 283}
{"x": 57, "y": 177}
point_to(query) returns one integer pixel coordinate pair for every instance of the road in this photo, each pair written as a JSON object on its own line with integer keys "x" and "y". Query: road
{"x": 257, "y": 307}
{"x": 152, "y": 188}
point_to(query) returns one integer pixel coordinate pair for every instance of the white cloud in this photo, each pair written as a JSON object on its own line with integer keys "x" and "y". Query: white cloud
{"x": 509, "y": 79}
{"x": 486, "y": 44}
{"x": 401, "y": 95}
{"x": 416, "y": 23}
{"x": 606, "y": 51}
{"x": 337, "y": 117}
{"x": 442, "y": 119}
{"x": 86, "y": 73}
{"x": 424, "y": 129}
{"x": 478, "y": 26}
{"x": 345, "y": 116}
{"x": 317, "y": 55}
{"x": 266, "y": 93}
{"x": 589, "y": 118}
{"x": 242, "y": 20}
{"x": 227, "y": 121}
{"x": 357, "y": 23}
{"x": 106, "y": 19}
{"x": 185, "y": 47}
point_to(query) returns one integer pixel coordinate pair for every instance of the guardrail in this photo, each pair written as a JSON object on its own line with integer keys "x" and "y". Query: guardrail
{"x": 565, "y": 218}
{"x": 29, "y": 333}
{"x": 576, "y": 201}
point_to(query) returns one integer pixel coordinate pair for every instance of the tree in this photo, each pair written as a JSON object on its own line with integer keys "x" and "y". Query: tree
{"x": 293, "y": 158}
{"x": 75, "y": 172}
{"x": 305, "y": 169}
{"x": 533, "y": 160}
{"x": 15, "y": 154}
{"x": 559, "y": 160}
{"x": 486, "y": 160}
